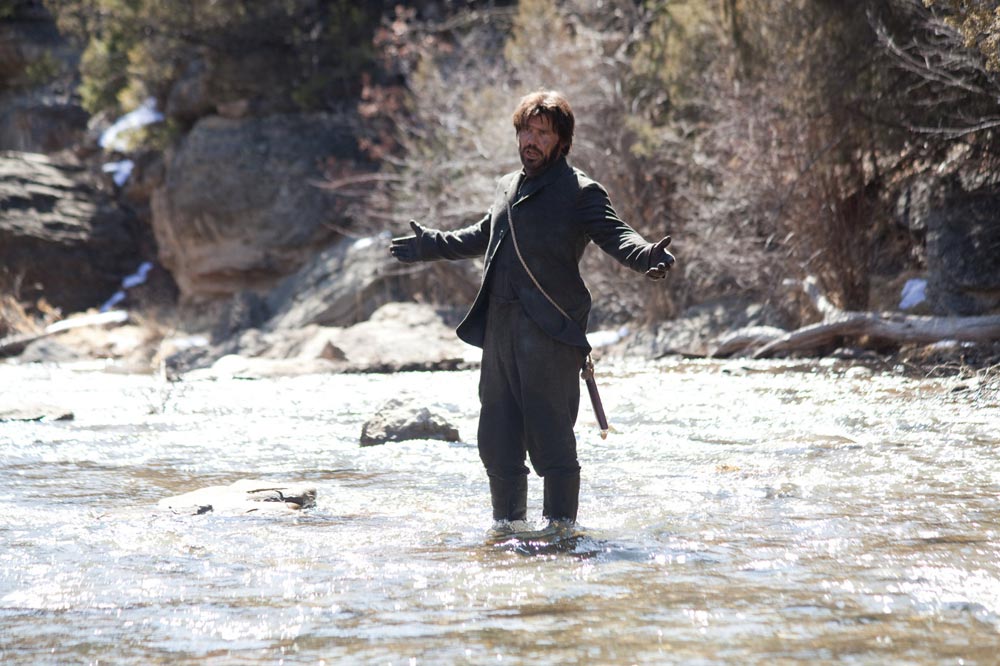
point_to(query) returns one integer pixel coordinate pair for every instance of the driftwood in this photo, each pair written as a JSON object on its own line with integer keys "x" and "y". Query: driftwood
{"x": 891, "y": 326}
{"x": 15, "y": 344}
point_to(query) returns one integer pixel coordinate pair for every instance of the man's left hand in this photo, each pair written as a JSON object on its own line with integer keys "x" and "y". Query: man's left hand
{"x": 660, "y": 260}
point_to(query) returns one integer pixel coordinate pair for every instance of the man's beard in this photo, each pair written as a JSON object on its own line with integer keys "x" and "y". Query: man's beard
{"x": 536, "y": 166}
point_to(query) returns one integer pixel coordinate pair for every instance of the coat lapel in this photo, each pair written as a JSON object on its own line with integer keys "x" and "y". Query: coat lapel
{"x": 535, "y": 185}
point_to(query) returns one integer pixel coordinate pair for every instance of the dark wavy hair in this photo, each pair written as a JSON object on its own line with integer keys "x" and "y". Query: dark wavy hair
{"x": 555, "y": 107}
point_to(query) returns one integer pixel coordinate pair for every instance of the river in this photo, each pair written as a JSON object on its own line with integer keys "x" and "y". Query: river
{"x": 741, "y": 513}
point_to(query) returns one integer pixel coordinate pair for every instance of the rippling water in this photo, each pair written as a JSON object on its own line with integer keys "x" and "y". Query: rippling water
{"x": 743, "y": 513}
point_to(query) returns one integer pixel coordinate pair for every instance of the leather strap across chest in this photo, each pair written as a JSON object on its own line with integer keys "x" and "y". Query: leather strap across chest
{"x": 520, "y": 257}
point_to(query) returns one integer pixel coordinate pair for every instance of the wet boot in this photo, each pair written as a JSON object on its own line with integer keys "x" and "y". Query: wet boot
{"x": 562, "y": 497}
{"x": 510, "y": 498}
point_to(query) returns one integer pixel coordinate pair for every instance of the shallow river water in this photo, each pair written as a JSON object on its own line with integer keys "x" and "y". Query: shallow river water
{"x": 742, "y": 513}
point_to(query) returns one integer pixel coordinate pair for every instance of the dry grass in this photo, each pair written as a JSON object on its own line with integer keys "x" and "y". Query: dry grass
{"x": 14, "y": 319}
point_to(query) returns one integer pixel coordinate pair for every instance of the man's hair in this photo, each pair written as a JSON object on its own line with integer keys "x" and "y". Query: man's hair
{"x": 552, "y": 105}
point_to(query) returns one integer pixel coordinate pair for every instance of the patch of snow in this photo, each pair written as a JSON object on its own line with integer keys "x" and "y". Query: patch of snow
{"x": 113, "y": 137}
{"x": 914, "y": 293}
{"x": 129, "y": 281}
{"x": 605, "y": 338}
{"x": 120, "y": 171}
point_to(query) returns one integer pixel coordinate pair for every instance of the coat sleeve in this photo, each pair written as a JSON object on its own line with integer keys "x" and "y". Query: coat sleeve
{"x": 613, "y": 235}
{"x": 465, "y": 243}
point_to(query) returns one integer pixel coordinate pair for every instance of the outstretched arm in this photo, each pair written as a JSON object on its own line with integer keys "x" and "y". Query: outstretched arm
{"x": 618, "y": 239}
{"x": 430, "y": 244}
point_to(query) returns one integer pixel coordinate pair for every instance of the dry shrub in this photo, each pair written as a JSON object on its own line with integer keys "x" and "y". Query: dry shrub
{"x": 771, "y": 139}
{"x": 446, "y": 139}
{"x": 13, "y": 318}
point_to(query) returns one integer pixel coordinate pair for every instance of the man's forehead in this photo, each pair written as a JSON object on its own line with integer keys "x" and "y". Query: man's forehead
{"x": 540, "y": 121}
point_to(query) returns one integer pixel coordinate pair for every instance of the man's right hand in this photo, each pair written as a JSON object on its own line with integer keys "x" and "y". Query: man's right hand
{"x": 660, "y": 260}
{"x": 407, "y": 248}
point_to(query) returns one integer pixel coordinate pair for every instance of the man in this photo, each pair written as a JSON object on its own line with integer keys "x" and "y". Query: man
{"x": 530, "y": 316}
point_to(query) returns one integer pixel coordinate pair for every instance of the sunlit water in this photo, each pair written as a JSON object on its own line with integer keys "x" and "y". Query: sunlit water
{"x": 743, "y": 513}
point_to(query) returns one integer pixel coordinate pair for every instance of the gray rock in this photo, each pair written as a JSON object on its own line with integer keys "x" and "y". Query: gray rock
{"x": 47, "y": 350}
{"x": 341, "y": 286}
{"x": 399, "y": 420}
{"x": 397, "y": 337}
{"x": 233, "y": 366}
{"x": 963, "y": 254}
{"x": 699, "y": 329}
{"x": 245, "y": 310}
{"x": 240, "y": 209}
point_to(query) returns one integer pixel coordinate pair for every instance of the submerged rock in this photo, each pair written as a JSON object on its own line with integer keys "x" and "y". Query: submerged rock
{"x": 35, "y": 413}
{"x": 397, "y": 421}
{"x": 243, "y": 496}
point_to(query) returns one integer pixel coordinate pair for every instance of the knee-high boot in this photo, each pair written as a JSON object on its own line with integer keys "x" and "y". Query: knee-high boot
{"x": 562, "y": 497}
{"x": 509, "y": 498}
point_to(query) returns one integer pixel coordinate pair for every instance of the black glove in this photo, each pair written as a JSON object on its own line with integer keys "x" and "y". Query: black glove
{"x": 660, "y": 260}
{"x": 407, "y": 248}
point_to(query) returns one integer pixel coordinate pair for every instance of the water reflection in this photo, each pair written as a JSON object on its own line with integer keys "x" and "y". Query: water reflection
{"x": 751, "y": 513}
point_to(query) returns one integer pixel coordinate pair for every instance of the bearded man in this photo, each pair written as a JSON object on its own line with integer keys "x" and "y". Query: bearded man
{"x": 530, "y": 315}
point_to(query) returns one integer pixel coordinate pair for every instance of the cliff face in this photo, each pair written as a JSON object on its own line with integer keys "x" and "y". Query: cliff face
{"x": 240, "y": 206}
{"x": 61, "y": 237}
{"x": 230, "y": 203}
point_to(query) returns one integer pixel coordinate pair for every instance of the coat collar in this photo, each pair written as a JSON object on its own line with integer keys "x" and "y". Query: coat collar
{"x": 536, "y": 184}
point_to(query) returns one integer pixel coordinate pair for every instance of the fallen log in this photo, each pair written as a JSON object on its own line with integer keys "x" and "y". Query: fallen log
{"x": 15, "y": 344}
{"x": 891, "y": 326}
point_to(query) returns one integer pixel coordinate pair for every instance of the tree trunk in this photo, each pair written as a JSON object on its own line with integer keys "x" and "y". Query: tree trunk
{"x": 892, "y": 326}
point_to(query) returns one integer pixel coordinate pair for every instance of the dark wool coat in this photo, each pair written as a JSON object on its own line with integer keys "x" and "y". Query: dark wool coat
{"x": 556, "y": 214}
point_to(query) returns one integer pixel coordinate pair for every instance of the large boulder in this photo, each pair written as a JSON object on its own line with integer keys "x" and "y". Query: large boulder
{"x": 240, "y": 209}
{"x": 61, "y": 237}
{"x": 341, "y": 286}
{"x": 963, "y": 254}
{"x": 398, "y": 337}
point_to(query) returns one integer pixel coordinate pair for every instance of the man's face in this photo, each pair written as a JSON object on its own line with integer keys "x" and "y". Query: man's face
{"x": 538, "y": 144}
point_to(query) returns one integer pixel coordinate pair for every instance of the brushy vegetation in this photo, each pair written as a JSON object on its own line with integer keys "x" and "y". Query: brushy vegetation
{"x": 772, "y": 139}
{"x": 301, "y": 54}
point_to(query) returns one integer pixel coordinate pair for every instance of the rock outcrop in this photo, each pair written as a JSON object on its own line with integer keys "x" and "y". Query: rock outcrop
{"x": 963, "y": 255}
{"x": 341, "y": 286}
{"x": 61, "y": 237}
{"x": 239, "y": 208}
{"x": 398, "y": 337}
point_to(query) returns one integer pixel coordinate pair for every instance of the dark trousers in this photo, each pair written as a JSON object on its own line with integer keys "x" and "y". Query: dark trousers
{"x": 529, "y": 388}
